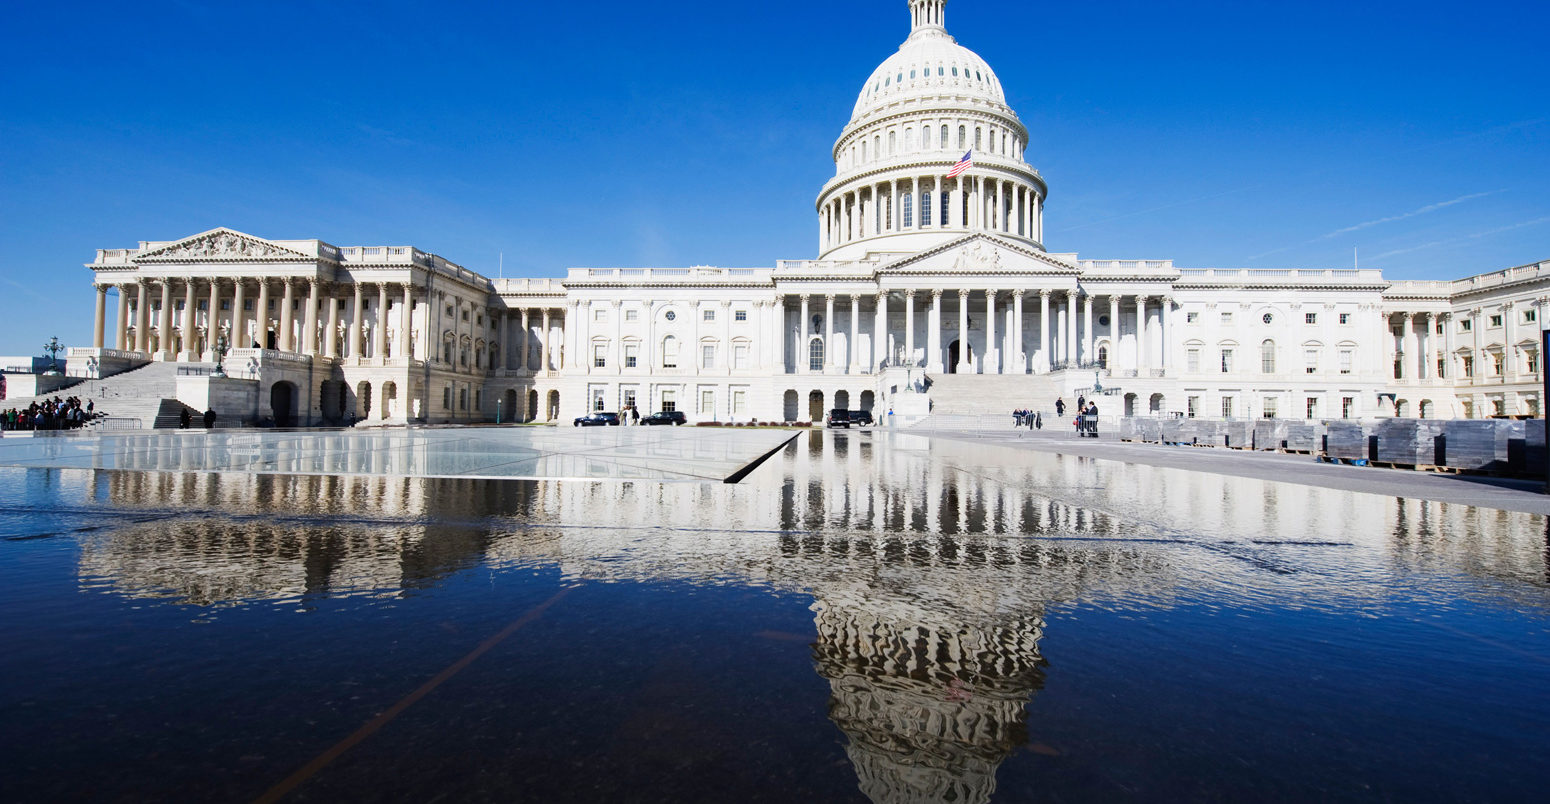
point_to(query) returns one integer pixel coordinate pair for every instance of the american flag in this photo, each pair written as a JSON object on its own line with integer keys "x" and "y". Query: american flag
{"x": 963, "y": 164}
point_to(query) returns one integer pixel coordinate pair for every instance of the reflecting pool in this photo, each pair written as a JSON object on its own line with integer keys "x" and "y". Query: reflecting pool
{"x": 864, "y": 617}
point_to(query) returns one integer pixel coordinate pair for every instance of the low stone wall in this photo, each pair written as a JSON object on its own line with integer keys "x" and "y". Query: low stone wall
{"x": 1497, "y": 446}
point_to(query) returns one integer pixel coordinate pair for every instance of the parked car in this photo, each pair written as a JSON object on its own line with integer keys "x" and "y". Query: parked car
{"x": 861, "y": 417}
{"x": 664, "y": 417}
{"x": 598, "y": 419}
{"x": 838, "y": 417}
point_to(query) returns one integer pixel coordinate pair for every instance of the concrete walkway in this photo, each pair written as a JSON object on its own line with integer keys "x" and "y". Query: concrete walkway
{"x": 1511, "y": 494}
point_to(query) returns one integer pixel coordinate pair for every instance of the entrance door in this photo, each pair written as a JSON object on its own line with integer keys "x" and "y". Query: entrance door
{"x": 952, "y": 357}
{"x": 282, "y": 401}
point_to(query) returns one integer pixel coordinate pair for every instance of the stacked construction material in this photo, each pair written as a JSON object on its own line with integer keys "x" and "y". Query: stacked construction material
{"x": 1345, "y": 440}
{"x": 1303, "y": 437}
{"x": 1149, "y": 430}
{"x": 1270, "y": 434}
{"x": 1407, "y": 442}
{"x": 1210, "y": 433}
{"x": 1171, "y": 431}
{"x": 1474, "y": 444}
{"x": 1534, "y": 454}
{"x": 1128, "y": 429}
{"x": 1239, "y": 434}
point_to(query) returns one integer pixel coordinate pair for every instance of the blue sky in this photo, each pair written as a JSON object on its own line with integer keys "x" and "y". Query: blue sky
{"x": 1216, "y": 134}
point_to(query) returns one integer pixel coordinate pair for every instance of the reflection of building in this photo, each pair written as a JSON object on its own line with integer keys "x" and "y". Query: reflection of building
{"x": 917, "y": 269}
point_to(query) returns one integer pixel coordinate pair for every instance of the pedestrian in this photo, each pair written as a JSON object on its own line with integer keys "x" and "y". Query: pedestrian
{"x": 184, "y": 418}
{"x": 209, "y": 418}
{"x": 1060, "y": 406}
{"x": 635, "y": 414}
{"x": 1092, "y": 419}
{"x": 1038, "y": 420}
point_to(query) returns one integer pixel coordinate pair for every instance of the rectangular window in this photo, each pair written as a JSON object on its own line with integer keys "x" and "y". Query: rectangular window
{"x": 1268, "y": 408}
{"x": 599, "y": 355}
{"x": 708, "y": 315}
{"x": 1530, "y": 315}
{"x": 597, "y": 400}
{"x": 1226, "y": 361}
{"x": 1442, "y": 364}
{"x": 631, "y": 354}
{"x": 600, "y": 315}
{"x": 1346, "y": 359}
{"x": 1347, "y": 406}
{"x": 631, "y": 315}
{"x": 1226, "y": 318}
{"x": 1227, "y": 407}
{"x": 708, "y": 356}
{"x": 1496, "y": 320}
{"x": 1531, "y": 359}
{"x": 1190, "y": 318}
{"x": 446, "y": 398}
{"x": 1496, "y": 364}
{"x": 1310, "y": 318}
{"x": 925, "y": 209}
{"x": 740, "y": 356}
{"x": 909, "y": 211}
{"x": 204, "y": 305}
{"x": 669, "y": 400}
{"x": 462, "y": 399}
{"x": 1469, "y": 366}
{"x": 629, "y": 398}
{"x": 225, "y": 305}
{"x": 1192, "y": 407}
{"x": 1192, "y": 358}
{"x": 1466, "y": 325}
{"x": 739, "y": 402}
{"x": 1345, "y": 318}
{"x": 739, "y": 315}
{"x": 1310, "y": 360}
{"x": 1312, "y": 411}
{"x": 247, "y": 305}
{"x": 708, "y": 403}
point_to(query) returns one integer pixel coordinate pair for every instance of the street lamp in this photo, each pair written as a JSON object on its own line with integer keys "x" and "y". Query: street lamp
{"x": 222, "y": 346}
{"x": 497, "y": 411}
{"x": 53, "y": 348}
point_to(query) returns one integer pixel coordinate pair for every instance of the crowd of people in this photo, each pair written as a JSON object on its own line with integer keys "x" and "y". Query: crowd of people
{"x": 1086, "y": 421}
{"x": 50, "y": 414}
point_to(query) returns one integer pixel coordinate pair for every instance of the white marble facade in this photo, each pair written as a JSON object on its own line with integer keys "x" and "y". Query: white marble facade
{"x": 919, "y": 276}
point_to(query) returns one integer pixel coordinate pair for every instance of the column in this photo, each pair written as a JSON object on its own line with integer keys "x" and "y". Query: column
{"x": 165, "y": 336}
{"x": 1167, "y": 332}
{"x": 1071, "y": 327}
{"x": 143, "y": 318}
{"x": 1448, "y": 347}
{"x": 354, "y": 348}
{"x": 778, "y": 325}
{"x": 909, "y": 327}
{"x": 804, "y": 350}
{"x": 1044, "y": 344}
{"x": 828, "y": 333}
{"x": 330, "y": 334}
{"x": 239, "y": 316}
{"x": 1113, "y": 332}
{"x": 379, "y": 332}
{"x": 213, "y": 323}
{"x": 1142, "y": 361}
{"x": 1410, "y": 347}
{"x": 190, "y": 342}
{"x": 121, "y": 324}
{"x": 855, "y": 334}
{"x": 100, "y": 319}
{"x": 1509, "y": 347}
{"x": 955, "y": 201}
{"x": 1000, "y": 216}
{"x": 992, "y": 358}
{"x": 934, "y": 333}
{"x": 965, "y": 364}
{"x": 262, "y": 315}
{"x": 879, "y": 331}
{"x": 1087, "y": 329}
{"x": 523, "y": 362}
{"x": 543, "y": 344}
{"x": 1019, "y": 333}
{"x": 309, "y": 319}
{"x": 401, "y": 347}
{"x": 1478, "y": 331}
{"x": 287, "y": 317}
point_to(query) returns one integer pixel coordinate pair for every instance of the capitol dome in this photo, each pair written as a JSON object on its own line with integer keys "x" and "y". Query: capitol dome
{"x": 931, "y": 153}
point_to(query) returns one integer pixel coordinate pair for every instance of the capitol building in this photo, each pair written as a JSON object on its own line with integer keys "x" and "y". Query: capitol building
{"x": 931, "y": 292}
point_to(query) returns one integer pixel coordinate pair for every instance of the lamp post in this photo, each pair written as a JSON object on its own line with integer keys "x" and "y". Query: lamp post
{"x": 497, "y": 411}
{"x": 53, "y": 348}
{"x": 222, "y": 346}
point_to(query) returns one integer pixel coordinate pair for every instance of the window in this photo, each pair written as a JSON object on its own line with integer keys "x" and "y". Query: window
{"x": 708, "y": 403}
{"x": 739, "y": 402}
{"x": 1496, "y": 320}
{"x": 669, "y": 400}
{"x": 962, "y": 131}
{"x": 1347, "y": 406}
{"x": 247, "y": 305}
{"x": 478, "y": 400}
{"x": 446, "y": 398}
{"x": 462, "y": 399}
{"x": 1312, "y": 409}
{"x": 1442, "y": 363}
{"x": 1267, "y": 357}
{"x": 979, "y": 138}
{"x": 631, "y": 355}
{"x": 599, "y": 355}
{"x": 670, "y": 315}
{"x": 740, "y": 315}
{"x": 943, "y": 140}
{"x": 1226, "y": 318}
{"x": 740, "y": 356}
{"x": 1268, "y": 407}
{"x": 1345, "y": 318}
{"x": 1530, "y": 315}
{"x": 925, "y": 209}
{"x": 670, "y": 352}
{"x": 708, "y": 315}
{"x": 597, "y": 400}
{"x": 225, "y": 305}
{"x": 708, "y": 356}
{"x": 815, "y": 355}
{"x": 629, "y": 398}
{"x": 1531, "y": 360}
{"x": 1310, "y": 361}
{"x": 465, "y": 315}
{"x": 1192, "y": 407}
{"x": 1466, "y": 325}
{"x": 1227, "y": 407}
{"x": 600, "y": 315}
{"x": 1310, "y": 318}
{"x": 1190, "y": 318}
{"x": 908, "y": 217}
{"x": 1469, "y": 366}
{"x": 892, "y": 141}
{"x": 1496, "y": 364}
{"x": 1226, "y": 361}
{"x": 942, "y": 219}
{"x": 1267, "y": 318}
{"x": 1192, "y": 360}
{"x": 631, "y": 315}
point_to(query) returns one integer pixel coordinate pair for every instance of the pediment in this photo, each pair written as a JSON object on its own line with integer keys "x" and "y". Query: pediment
{"x": 980, "y": 254}
{"x": 222, "y": 244}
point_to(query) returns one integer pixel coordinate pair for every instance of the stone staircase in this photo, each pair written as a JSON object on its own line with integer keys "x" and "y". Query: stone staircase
{"x": 997, "y": 394}
{"x": 147, "y": 395}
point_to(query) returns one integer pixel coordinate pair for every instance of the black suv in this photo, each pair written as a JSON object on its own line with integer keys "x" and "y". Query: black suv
{"x": 861, "y": 417}
{"x": 599, "y": 419}
{"x": 665, "y": 417}
{"x": 838, "y": 417}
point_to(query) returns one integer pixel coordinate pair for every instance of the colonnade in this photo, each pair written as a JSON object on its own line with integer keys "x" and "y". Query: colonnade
{"x": 932, "y": 203}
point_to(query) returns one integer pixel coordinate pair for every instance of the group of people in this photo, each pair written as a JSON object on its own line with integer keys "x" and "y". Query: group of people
{"x": 1025, "y": 418}
{"x": 1086, "y": 420}
{"x": 50, "y": 414}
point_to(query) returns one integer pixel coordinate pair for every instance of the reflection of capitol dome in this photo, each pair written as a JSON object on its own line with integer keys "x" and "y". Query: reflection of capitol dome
{"x": 918, "y": 114}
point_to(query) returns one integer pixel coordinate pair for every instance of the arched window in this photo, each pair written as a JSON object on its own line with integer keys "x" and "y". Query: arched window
{"x": 925, "y": 138}
{"x": 908, "y": 217}
{"x": 943, "y": 140}
{"x": 892, "y": 144}
{"x": 925, "y": 208}
{"x": 863, "y": 150}
{"x": 1267, "y": 357}
{"x": 909, "y": 139}
{"x": 943, "y": 207}
{"x": 1103, "y": 357}
{"x": 670, "y": 352}
{"x": 815, "y": 354}
{"x": 979, "y": 136}
{"x": 963, "y": 135}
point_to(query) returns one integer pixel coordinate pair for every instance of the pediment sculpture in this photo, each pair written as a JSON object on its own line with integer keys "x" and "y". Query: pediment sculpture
{"x": 978, "y": 258}
{"x": 224, "y": 244}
